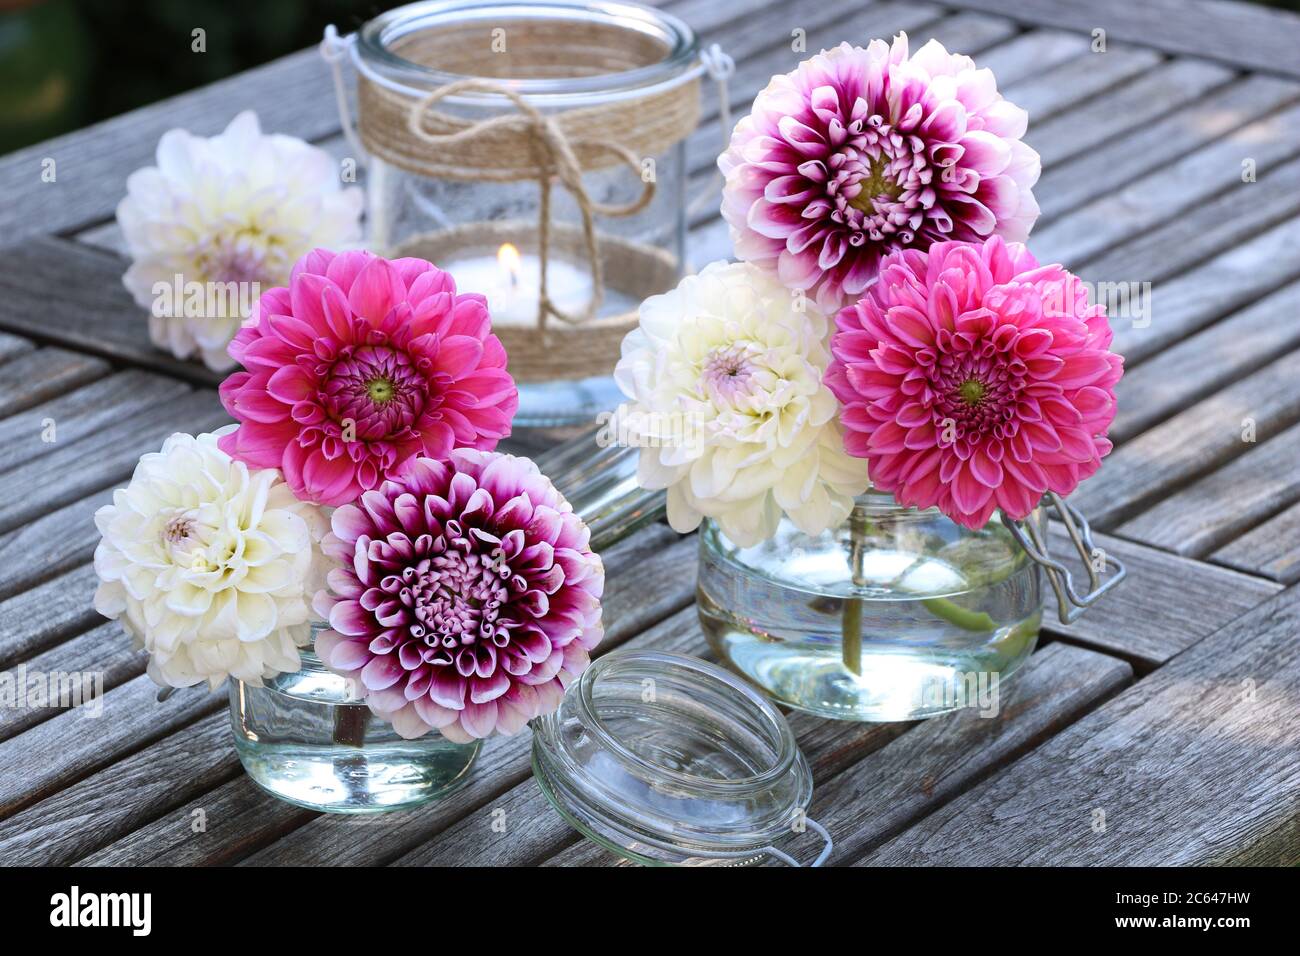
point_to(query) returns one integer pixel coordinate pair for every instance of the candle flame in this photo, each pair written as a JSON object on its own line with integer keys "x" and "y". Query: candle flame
{"x": 508, "y": 259}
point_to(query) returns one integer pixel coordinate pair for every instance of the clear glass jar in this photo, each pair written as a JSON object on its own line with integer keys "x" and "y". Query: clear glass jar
{"x": 895, "y": 615}
{"x": 590, "y": 66}
{"x": 668, "y": 760}
{"x": 307, "y": 739}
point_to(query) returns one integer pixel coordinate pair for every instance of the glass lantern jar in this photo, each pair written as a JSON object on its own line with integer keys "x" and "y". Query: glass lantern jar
{"x": 897, "y": 614}
{"x": 536, "y": 151}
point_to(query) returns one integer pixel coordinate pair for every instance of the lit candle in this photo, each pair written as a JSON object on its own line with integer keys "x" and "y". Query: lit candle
{"x": 512, "y": 283}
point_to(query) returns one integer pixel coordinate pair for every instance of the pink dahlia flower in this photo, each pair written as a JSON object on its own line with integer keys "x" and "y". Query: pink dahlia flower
{"x": 359, "y": 365}
{"x": 971, "y": 378}
{"x": 465, "y": 596}
{"x": 861, "y": 152}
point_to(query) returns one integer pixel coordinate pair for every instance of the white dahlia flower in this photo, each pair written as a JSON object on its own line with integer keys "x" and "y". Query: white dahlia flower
{"x": 729, "y": 408}
{"x": 210, "y": 567}
{"x": 229, "y": 216}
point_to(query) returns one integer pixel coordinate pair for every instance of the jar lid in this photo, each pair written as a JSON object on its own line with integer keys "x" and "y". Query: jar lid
{"x": 667, "y": 759}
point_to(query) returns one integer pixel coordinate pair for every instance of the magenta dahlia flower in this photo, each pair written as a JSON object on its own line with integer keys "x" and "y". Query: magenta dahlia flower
{"x": 971, "y": 378}
{"x": 359, "y": 365}
{"x": 861, "y": 152}
{"x": 465, "y": 596}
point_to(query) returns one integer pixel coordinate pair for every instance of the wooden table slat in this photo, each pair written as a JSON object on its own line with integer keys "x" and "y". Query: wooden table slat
{"x": 1243, "y": 34}
{"x": 1211, "y": 511}
{"x": 1051, "y": 92}
{"x": 62, "y": 476}
{"x": 1197, "y": 366}
{"x": 81, "y": 413}
{"x": 1120, "y": 162}
{"x": 1167, "y": 604}
{"x": 1196, "y": 441}
{"x": 1131, "y": 106}
{"x": 1195, "y": 764}
{"x": 1271, "y": 549}
{"x": 1203, "y": 183}
{"x": 39, "y": 375}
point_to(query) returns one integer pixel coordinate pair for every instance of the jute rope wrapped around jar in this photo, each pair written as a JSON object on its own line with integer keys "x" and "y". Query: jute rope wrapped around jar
{"x": 415, "y": 135}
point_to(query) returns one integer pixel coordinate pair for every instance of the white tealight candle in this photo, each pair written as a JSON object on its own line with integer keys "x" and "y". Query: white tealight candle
{"x": 512, "y": 283}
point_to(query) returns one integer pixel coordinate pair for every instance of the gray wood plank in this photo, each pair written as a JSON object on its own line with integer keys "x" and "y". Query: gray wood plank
{"x": 1232, "y": 280}
{"x": 650, "y": 583}
{"x": 292, "y": 95}
{"x": 1031, "y": 53}
{"x": 1271, "y": 549}
{"x": 110, "y": 454}
{"x": 216, "y": 828}
{"x": 40, "y": 617}
{"x": 1131, "y": 106}
{"x": 57, "y": 290}
{"x": 98, "y": 660}
{"x": 37, "y": 376}
{"x": 1196, "y": 441}
{"x": 1166, "y": 605}
{"x": 51, "y": 544}
{"x": 1210, "y": 512}
{"x": 1206, "y": 183}
{"x": 1114, "y": 165}
{"x": 124, "y": 794}
{"x": 1238, "y": 214}
{"x": 82, "y": 413}
{"x": 1242, "y": 34}
{"x": 12, "y": 346}
{"x": 1201, "y": 364}
{"x": 941, "y": 758}
{"x": 73, "y": 744}
{"x": 1055, "y": 90}
{"x": 1196, "y": 764}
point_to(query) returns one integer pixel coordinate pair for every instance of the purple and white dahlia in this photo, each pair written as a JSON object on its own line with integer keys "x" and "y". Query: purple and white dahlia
{"x": 465, "y": 597}
{"x": 860, "y": 152}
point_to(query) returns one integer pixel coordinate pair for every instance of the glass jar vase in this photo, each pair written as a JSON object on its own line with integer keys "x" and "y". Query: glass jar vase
{"x": 536, "y": 151}
{"x": 306, "y": 738}
{"x": 897, "y": 614}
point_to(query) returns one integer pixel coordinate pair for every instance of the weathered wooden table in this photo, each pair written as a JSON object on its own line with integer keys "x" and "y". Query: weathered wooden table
{"x": 1164, "y": 728}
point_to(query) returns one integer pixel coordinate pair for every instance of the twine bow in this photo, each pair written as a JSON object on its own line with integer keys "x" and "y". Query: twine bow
{"x": 555, "y": 156}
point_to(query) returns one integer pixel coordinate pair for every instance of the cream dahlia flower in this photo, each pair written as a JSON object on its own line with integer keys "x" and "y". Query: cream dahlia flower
{"x": 729, "y": 408}
{"x": 210, "y": 567}
{"x": 229, "y": 216}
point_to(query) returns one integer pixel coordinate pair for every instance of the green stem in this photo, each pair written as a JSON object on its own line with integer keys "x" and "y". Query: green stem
{"x": 851, "y": 622}
{"x": 964, "y": 618}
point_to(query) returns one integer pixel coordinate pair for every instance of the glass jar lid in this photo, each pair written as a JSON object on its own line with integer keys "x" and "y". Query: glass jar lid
{"x": 667, "y": 759}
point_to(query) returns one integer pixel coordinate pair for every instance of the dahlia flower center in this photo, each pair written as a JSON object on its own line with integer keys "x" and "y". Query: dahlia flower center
{"x": 971, "y": 391}
{"x": 728, "y": 371}
{"x": 878, "y": 185}
{"x": 979, "y": 391}
{"x": 238, "y": 258}
{"x": 379, "y": 389}
{"x": 182, "y": 538}
{"x": 456, "y": 598}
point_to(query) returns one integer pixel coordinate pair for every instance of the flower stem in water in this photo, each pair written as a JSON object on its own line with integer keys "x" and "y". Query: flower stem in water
{"x": 851, "y": 622}
{"x": 350, "y": 724}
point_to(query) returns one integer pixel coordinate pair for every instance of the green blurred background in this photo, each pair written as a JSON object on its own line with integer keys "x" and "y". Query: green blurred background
{"x": 68, "y": 63}
{"x": 65, "y": 64}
